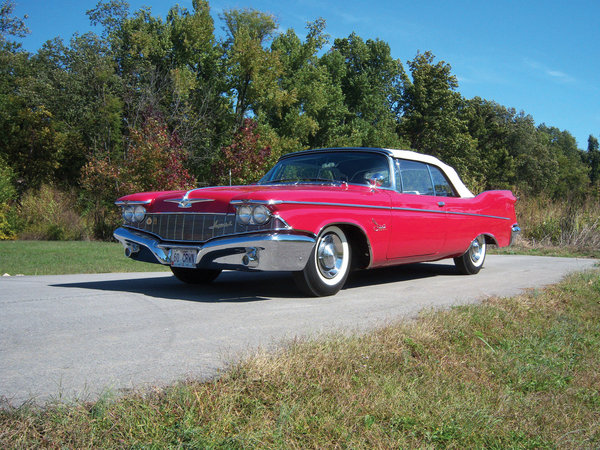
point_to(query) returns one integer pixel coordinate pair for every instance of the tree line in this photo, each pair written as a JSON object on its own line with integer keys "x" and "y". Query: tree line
{"x": 153, "y": 104}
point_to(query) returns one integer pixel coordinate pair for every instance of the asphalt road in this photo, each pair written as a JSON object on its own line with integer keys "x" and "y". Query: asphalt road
{"x": 77, "y": 336}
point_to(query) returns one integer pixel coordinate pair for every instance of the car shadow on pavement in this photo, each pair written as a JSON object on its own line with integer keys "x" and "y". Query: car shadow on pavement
{"x": 234, "y": 287}
{"x": 397, "y": 274}
{"x": 228, "y": 287}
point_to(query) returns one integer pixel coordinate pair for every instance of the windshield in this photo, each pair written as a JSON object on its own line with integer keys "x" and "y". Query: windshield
{"x": 334, "y": 167}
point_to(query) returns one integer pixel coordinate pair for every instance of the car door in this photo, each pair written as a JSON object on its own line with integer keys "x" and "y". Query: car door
{"x": 419, "y": 220}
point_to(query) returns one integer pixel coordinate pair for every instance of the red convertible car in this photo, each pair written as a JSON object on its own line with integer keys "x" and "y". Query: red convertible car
{"x": 319, "y": 214}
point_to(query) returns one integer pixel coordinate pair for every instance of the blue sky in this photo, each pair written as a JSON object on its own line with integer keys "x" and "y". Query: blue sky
{"x": 542, "y": 57}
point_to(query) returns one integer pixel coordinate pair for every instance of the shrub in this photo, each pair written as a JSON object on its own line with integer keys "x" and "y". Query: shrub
{"x": 560, "y": 222}
{"x": 50, "y": 214}
{"x": 6, "y": 229}
{"x": 7, "y": 194}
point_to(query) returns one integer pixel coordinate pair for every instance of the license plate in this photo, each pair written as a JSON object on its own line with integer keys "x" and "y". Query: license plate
{"x": 183, "y": 258}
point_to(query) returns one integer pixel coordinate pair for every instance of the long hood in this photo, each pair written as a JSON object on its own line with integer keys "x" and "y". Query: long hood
{"x": 218, "y": 199}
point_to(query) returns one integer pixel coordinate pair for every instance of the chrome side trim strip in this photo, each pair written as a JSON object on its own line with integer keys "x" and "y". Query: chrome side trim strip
{"x": 260, "y": 202}
{"x": 188, "y": 213}
{"x": 454, "y": 213}
{"x": 351, "y": 205}
{"x": 477, "y": 215}
{"x": 345, "y": 205}
{"x": 133, "y": 202}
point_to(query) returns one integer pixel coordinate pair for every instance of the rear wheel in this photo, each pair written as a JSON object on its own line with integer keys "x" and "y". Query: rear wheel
{"x": 195, "y": 276}
{"x": 328, "y": 266}
{"x": 472, "y": 260}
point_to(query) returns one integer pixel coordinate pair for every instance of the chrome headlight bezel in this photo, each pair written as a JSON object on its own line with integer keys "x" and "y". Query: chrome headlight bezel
{"x": 139, "y": 212}
{"x": 128, "y": 213}
{"x": 260, "y": 215}
{"x": 244, "y": 214}
{"x": 133, "y": 213}
{"x": 253, "y": 214}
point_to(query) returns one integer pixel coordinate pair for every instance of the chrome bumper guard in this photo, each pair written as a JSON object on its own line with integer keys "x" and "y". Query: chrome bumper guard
{"x": 268, "y": 252}
{"x": 516, "y": 229}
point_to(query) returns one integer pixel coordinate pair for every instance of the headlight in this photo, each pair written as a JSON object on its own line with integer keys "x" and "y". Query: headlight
{"x": 138, "y": 213}
{"x": 133, "y": 213}
{"x": 261, "y": 215}
{"x": 128, "y": 213}
{"x": 244, "y": 214}
{"x": 253, "y": 214}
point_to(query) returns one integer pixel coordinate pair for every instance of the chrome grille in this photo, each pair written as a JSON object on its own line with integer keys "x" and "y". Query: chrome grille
{"x": 194, "y": 227}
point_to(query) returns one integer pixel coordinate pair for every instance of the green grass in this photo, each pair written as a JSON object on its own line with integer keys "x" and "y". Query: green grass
{"x": 509, "y": 373}
{"x": 60, "y": 258}
{"x": 73, "y": 257}
{"x": 523, "y": 248}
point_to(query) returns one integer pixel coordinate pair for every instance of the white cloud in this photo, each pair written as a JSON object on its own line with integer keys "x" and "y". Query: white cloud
{"x": 556, "y": 74}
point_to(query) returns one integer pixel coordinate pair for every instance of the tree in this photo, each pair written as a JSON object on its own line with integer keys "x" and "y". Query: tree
{"x": 170, "y": 66}
{"x": 155, "y": 161}
{"x": 489, "y": 124}
{"x": 315, "y": 103}
{"x": 245, "y": 160}
{"x": 536, "y": 168}
{"x": 252, "y": 70}
{"x": 431, "y": 116}
{"x": 371, "y": 83}
{"x": 82, "y": 76}
{"x": 573, "y": 175}
{"x": 13, "y": 26}
{"x": 593, "y": 159}
{"x": 110, "y": 15}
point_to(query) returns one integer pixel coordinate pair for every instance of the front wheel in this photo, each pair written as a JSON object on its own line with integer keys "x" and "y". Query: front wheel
{"x": 329, "y": 265}
{"x": 472, "y": 260}
{"x": 195, "y": 276}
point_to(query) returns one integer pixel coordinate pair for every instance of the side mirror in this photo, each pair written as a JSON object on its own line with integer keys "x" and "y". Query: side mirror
{"x": 376, "y": 180}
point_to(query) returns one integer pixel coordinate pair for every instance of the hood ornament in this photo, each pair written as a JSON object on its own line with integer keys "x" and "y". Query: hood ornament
{"x": 187, "y": 203}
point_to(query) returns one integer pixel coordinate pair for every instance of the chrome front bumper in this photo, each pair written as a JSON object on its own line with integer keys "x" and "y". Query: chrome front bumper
{"x": 268, "y": 252}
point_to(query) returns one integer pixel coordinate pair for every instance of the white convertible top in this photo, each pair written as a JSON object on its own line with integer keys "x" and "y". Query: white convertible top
{"x": 463, "y": 191}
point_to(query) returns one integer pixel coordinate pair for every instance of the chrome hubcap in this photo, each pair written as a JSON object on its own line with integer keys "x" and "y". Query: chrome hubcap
{"x": 477, "y": 249}
{"x": 330, "y": 255}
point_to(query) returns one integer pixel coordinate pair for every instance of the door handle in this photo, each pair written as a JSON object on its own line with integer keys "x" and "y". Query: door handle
{"x": 440, "y": 204}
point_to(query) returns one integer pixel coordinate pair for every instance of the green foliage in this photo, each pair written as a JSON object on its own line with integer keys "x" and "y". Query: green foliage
{"x": 14, "y": 26}
{"x": 6, "y": 228}
{"x": 489, "y": 124}
{"x": 7, "y": 188}
{"x": 593, "y": 160}
{"x": 89, "y": 97}
{"x": 7, "y": 194}
{"x": 370, "y": 81}
{"x": 252, "y": 70}
{"x": 432, "y": 119}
